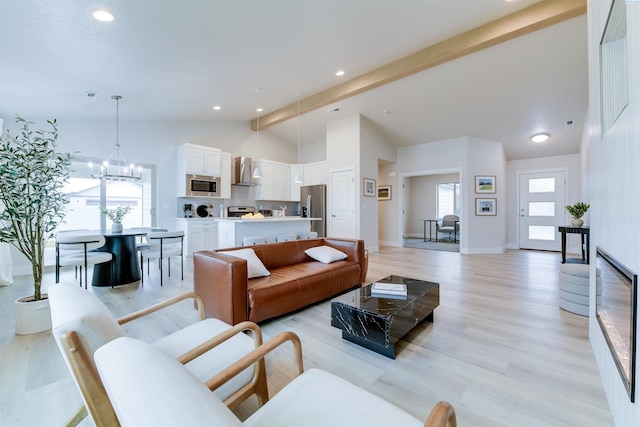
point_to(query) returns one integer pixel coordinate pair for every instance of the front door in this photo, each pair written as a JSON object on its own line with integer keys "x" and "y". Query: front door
{"x": 542, "y": 201}
{"x": 342, "y": 218}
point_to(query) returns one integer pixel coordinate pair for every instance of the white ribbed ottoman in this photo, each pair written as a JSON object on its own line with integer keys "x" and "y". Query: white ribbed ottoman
{"x": 574, "y": 288}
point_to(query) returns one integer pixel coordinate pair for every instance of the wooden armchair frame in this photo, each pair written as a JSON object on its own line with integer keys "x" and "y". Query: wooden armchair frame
{"x": 93, "y": 391}
{"x": 442, "y": 414}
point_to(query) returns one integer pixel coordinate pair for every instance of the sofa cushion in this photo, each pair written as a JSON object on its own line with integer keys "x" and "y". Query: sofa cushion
{"x": 255, "y": 267}
{"x": 295, "y": 286}
{"x": 325, "y": 254}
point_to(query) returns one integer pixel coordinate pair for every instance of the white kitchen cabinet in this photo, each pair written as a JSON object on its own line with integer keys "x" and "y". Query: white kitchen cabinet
{"x": 199, "y": 160}
{"x": 199, "y": 234}
{"x": 315, "y": 173}
{"x": 225, "y": 176}
{"x": 275, "y": 181}
{"x": 295, "y": 186}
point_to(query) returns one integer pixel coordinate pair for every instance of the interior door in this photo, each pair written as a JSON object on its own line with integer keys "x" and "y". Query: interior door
{"x": 342, "y": 218}
{"x": 542, "y": 200}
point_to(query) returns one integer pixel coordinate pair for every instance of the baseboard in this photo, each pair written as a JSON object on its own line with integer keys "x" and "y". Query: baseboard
{"x": 373, "y": 249}
{"x": 392, "y": 243}
{"x": 479, "y": 251}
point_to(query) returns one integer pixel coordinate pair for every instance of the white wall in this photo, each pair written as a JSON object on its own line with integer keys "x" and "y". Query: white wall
{"x": 569, "y": 162}
{"x": 373, "y": 147}
{"x": 468, "y": 157}
{"x": 614, "y": 188}
{"x": 154, "y": 143}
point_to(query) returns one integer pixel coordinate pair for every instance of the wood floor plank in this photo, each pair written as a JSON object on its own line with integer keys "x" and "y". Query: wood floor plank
{"x": 500, "y": 350}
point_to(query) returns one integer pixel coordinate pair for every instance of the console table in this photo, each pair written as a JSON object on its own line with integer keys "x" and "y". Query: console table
{"x": 584, "y": 236}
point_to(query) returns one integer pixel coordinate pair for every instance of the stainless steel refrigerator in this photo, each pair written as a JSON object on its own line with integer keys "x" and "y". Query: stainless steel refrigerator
{"x": 313, "y": 204}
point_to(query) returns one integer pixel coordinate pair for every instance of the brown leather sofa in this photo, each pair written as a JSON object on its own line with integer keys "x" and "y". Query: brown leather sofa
{"x": 296, "y": 279}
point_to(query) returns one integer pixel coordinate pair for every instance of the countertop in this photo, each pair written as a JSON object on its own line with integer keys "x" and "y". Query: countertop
{"x": 268, "y": 219}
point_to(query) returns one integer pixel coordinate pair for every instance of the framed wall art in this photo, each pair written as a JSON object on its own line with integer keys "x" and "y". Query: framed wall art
{"x": 369, "y": 187}
{"x": 485, "y": 207}
{"x": 485, "y": 184}
{"x": 384, "y": 192}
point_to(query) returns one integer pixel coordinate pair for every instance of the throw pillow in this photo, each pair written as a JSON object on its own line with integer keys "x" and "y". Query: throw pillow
{"x": 325, "y": 254}
{"x": 255, "y": 267}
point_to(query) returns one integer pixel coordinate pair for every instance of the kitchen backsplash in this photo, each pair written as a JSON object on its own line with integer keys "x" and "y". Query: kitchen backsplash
{"x": 240, "y": 196}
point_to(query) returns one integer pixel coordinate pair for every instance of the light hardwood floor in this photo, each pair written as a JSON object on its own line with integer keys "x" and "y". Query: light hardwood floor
{"x": 500, "y": 350}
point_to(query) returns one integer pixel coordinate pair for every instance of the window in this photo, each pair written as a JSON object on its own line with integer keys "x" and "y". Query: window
{"x": 448, "y": 202}
{"x": 88, "y": 196}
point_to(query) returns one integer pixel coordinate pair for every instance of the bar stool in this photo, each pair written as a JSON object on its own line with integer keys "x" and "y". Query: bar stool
{"x": 308, "y": 235}
{"x": 286, "y": 237}
{"x": 253, "y": 240}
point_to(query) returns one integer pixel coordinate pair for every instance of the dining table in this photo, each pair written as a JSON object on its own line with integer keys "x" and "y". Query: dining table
{"x": 124, "y": 268}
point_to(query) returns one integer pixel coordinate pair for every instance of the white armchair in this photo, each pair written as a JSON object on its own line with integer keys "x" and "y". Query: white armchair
{"x": 130, "y": 369}
{"x": 81, "y": 324}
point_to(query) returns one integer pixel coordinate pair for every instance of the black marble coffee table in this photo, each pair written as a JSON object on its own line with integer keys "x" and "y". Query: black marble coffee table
{"x": 377, "y": 323}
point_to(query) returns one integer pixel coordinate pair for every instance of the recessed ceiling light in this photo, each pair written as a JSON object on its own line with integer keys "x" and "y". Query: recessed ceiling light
{"x": 540, "y": 137}
{"x": 102, "y": 15}
{"x": 217, "y": 107}
{"x": 386, "y": 112}
{"x": 339, "y": 73}
{"x": 259, "y": 109}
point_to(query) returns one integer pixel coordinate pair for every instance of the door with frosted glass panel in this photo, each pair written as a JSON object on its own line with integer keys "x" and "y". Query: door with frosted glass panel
{"x": 542, "y": 201}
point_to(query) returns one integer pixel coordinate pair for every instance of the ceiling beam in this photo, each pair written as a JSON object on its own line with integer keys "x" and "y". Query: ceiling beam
{"x": 525, "y": 21}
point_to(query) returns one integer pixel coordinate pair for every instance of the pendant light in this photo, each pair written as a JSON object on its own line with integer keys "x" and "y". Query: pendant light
{"x": 257, "y": 173}
{"x": 298, "y": 178}
{"x": 115, "y": 168}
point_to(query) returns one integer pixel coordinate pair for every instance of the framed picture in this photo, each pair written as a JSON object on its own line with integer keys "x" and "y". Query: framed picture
{"x": 384, "y": 192}
{"x": 485, "y": 184}
{"x": 369, "y": 187}
{"x": 485, "y": 207}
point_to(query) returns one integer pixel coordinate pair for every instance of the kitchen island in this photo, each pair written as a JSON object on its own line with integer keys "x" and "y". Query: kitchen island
{"x": 231, "y": 231}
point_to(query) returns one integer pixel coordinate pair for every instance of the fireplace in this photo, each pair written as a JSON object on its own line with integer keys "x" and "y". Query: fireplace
{"x": 618, "y": 315}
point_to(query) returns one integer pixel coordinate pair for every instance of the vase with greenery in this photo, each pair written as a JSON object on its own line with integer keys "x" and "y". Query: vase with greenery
{"x": 576, "y": 211}
{"x": 116, "y": 215}
{"x": 32, "y": 174}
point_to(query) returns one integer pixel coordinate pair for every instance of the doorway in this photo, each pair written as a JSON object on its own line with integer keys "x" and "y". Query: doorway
{"x": 542, "y": 197}
{"x": 426, "y": 199}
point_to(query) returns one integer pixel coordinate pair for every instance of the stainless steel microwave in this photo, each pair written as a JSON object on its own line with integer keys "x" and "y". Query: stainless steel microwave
{"x": 203, "y": 186}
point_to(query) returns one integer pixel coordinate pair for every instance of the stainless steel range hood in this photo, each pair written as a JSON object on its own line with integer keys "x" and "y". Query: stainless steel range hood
{"x": 243, "y": 172}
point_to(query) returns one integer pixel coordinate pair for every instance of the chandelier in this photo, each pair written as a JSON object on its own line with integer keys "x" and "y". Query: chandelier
{"x": 116, "y": 168}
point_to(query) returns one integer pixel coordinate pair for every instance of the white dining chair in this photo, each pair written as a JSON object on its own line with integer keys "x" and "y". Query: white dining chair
{"x": 79, "y": 250}
{"x": 161, "y": 245}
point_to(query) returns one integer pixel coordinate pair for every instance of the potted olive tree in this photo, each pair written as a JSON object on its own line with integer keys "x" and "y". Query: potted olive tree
{"x": 32, "y": 174}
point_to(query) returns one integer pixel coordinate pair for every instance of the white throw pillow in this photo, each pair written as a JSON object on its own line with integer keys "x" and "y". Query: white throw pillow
{"x": 255, "y": 267}
{"x": 325, "y": 254}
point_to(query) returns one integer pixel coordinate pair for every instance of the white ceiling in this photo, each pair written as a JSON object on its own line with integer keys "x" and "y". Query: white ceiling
{"x": 175, "y": 60}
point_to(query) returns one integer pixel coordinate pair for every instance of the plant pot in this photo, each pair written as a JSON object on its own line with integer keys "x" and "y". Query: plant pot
{"x": 116, "y": 227}
{"x": 32, "y": 316}
{"x": 577, "y": 222}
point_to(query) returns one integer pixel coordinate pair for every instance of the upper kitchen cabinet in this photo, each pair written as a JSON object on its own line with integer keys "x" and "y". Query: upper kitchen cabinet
{"x": 225, "y": 175}
{"x": 199, "y": 160}
{"x": 208, "y": 164}
{"x": 315, "y": 173}
{"x": 275, "y": 183}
